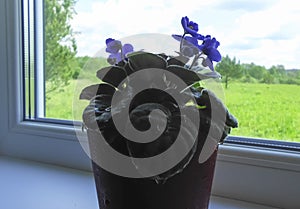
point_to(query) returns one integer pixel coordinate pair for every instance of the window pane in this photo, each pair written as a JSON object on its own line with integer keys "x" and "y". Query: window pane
{"x": 61, "y": 64}
{"x": 260, "y": 64}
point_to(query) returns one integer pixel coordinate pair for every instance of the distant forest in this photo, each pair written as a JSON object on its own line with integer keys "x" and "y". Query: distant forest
{"x": 229, "y": 68}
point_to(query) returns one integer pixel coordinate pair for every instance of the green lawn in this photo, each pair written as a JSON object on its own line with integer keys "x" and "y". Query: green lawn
{"x": 65, "y": 104}
{"x": 264, "y": 111}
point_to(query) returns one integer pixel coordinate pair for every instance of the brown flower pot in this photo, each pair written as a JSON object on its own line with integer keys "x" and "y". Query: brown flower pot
{"x": 189, "y": 189}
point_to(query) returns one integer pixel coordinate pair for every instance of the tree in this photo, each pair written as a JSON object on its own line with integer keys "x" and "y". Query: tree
{"x": 229, "y": 69}
{"x": 278, "y": 71}
{"x": 60, "y": 44}
{"x": 255, "y": 71}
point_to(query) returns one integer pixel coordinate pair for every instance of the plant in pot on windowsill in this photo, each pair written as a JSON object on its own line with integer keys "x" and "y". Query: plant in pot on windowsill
{"x": 153, "y": 128}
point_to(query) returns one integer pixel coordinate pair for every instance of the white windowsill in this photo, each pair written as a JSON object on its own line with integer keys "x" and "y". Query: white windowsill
{"x": 30, "y": 185}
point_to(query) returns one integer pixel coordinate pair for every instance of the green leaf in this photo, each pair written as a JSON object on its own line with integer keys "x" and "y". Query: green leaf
{"x": 113, "y": 75}
{"x": 188, "y": 76}
{"x": 91, "y": 91}
{"x": 178, "y": 60}
{"x": 144, "y": 60}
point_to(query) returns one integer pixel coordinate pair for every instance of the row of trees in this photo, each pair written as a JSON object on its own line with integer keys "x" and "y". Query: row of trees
{"x": 231, "y": 69}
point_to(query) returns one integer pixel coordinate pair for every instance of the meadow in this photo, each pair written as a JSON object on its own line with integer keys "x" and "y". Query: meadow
{"x": 263, "y": 110}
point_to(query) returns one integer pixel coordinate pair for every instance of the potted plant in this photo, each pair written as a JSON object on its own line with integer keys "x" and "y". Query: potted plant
{"x": 153, "y": 128}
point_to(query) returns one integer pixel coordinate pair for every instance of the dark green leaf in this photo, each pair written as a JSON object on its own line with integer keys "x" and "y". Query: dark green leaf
{"x": 178, "y": 60}
{"x": 144, "y": 60}
{"x": 91, "y": 91}
{"x": 188, "y": 76}
{"x": 231, "y": 121}
{"x": 113, "y": 75}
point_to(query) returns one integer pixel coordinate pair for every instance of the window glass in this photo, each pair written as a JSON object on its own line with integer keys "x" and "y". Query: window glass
{"x": 259, "y": 42}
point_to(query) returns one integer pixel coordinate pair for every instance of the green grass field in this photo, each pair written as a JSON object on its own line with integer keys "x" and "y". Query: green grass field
{"x": 264, "y": 111}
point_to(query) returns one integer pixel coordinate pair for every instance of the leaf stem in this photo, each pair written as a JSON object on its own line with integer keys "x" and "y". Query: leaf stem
{"x": 196, "y": 57}
{"x": 181, "y": 42}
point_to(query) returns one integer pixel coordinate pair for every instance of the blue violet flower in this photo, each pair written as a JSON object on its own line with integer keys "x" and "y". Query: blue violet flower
{"x": 189, "y": 27}
{"x": 117, "y": 51}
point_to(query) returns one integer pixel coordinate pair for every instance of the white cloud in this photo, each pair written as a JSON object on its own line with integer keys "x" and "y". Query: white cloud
{"x": 121, "y": 18}
{"x": 263, "y": 33}
{"x": 253, "y": 5}
{"x": 272, "y": 32}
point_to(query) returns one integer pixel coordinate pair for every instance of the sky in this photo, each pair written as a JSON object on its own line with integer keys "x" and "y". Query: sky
{"x": 253, "y": 31}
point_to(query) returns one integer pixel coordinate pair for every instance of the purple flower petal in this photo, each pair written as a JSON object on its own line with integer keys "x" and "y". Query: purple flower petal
{"x": 113, "y": 46}
{"x": 209, "y": 47}
{"x": 114, "y": 58}
{"x": 189, "y": 45}
{"x": 200, "y": 37}
{"x": 213, "y": 54}
{"x": 127, "y": 48}
{"x": 191, "y": 40}
{"x": 189, "y": 27}
{"x": 109, "y": 40}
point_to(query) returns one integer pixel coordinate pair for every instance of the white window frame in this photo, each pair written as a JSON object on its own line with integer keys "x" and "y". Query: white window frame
{"x": 260, "y": 175}
{"x": 42, "y": 142}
